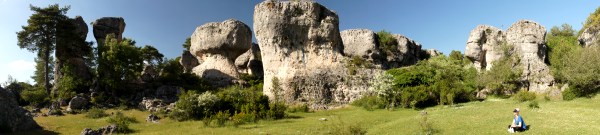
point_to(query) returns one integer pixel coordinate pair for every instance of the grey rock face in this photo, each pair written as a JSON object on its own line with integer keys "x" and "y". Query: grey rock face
{"x": 13, "y": 118}
{"x": 589, "y": 37}
{"x": 108, "y": 25}
{"x": 77, "y": 103}
{"x": 108, "y": 130}
{"x": 407, "y": 52}
{"x": 250, "y": 62}
{"x": 218, "y": 44}
{"x": 484, "y": 46}
{"x": 70, "y": 53}
{"x": 188, "y": 61}
{"x": 527, "y": 38}
{"x": 152, "y": 118}
{"x": 433, "y": 52}
{"x": 361, "y": 43}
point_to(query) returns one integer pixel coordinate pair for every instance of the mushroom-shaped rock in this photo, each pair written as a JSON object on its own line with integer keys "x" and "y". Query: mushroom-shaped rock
{"x": 218, "y": 44}
{"x": 361, "y": 43}
{"x": 108, "y": 25}
{"x": 484, "y": 46}
{"x": 529, "y": 40}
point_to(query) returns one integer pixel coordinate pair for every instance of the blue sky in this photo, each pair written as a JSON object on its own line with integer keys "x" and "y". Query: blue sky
{"x": 437, "y": 24}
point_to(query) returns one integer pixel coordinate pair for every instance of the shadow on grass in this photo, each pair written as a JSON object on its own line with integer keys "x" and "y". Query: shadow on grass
{"x": 36, "y": 132}
{"x": 293, "y": 117}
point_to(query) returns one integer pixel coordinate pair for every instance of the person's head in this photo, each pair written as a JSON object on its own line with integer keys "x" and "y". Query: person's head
{"x": 516, "y": 111}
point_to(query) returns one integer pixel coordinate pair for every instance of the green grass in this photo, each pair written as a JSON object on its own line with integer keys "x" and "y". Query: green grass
{"x": 578, "y": 116}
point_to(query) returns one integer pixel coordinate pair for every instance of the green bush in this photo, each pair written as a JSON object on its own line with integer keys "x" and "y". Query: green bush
{"x": 276, "y": 110}
{"x": 568, "y": 94}
{"x": 387, "y": 42}
{"x": 524, "y": 95}
{"x": 369, "y": 103}
{"x": 35, "y": 95}
{"x": 96, "y": 113}
{"x": 299, "y": 108}
{"x": 122, "y": 122}
{"x": 534, "y": 105}
{"x": 219, "y": 119}
{"x": 242, "y": 118}
{"x": 186, "y": 108}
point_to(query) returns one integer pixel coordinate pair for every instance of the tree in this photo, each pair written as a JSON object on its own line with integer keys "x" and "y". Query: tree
{"x": 187, "y": 44}
{"x": 40, "y": 34}
{"x": 39, "y": 75}
{"x": 121, "y": 63}
{"x": 151, "y": 55}
{"x": 564, "y": 30}
{"x": 562, "y": 44}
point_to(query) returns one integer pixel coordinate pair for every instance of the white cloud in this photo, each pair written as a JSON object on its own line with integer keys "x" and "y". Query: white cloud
{"x": 21, "y": 70}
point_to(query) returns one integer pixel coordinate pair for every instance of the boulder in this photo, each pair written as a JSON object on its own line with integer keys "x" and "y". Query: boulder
{"x": 152, "y": 105}
{"x": 250, "y": 62}
{"x": 589, "y": 37}
{"x": 529, "y": 40}
{"x": 108, "y": 25}
{"x": 108, "y": 130}
{"x": 218, "y": 44}
{"x": 433, "y": 52}
{"x": 13, "y": 118}
{"x": 54, "y": 109}
{"x": 188, "y": 61}
{"x": 361, "y": 43}
{"x": 152, "y": 118}
{"x": 77, "y": 103}
{"x": 484, "y": 46}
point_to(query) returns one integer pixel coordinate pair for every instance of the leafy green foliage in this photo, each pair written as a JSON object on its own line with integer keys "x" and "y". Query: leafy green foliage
{"x": 569, "y": 94}
{"x": 172, "y": 74}
{"x": 524, "y": 95}
{"x": 561, "y": 48}
{"x": 35, "y": 95}
{"x": 121, "y": 63}
{"x": 96, "y": 113}
{"x": 565, "y": 30}
{"x": 299, "y": 108}
{"x": 534, "y": 105}
{"x": 186, "y": 45}
{"x": 386, "y": 41}
{"x": 504, "y": 76}
{"x": 357, "y": 62}
{"x": 438, "y": 80}
{"x": 122, "y": 122}
{"x": 582, "y": 71}
{"x": 69, "y": 84}
{"x": 151, "y": 55}
{"x": 369, "y": 103}
{"x": 593, "y": 21}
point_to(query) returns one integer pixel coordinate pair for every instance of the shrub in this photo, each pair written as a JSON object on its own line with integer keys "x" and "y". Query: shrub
{"x": 524, "y": 95}
{"x": 35, "y": 95}
{"x": 534, "y": 105}
{"x": 186, "y": 107}
{"x": 122, "y": 122}
{"x": 299, "y": 108}
{"x": 369, "y": 103}
{"x": 242, "y": 118}
{"x": 386, "y": 41}
{"x": 276, "y": 110}
{"x": 568, "y": 94}
{"x": 425, "y": 125}
{"x": 96, "y": 113}
{"x": 219, "y": 119}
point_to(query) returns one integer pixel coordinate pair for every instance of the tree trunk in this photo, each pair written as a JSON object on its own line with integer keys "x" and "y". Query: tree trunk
{"x": 46, "y": 62}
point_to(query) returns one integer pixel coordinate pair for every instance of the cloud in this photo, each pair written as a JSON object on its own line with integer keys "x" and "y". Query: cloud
{"x": 21, "y": 70}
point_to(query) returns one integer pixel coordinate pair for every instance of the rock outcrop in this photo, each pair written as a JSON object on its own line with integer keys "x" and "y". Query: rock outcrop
{"x": 433, "y": 52}
{"x": 408, "y": 52}
{"x": 77, "y": 103}
{"x": 188, "y": 61}
{"x": 108, "y": 130}
{"x": 108, "y": 25}
{"x": 589, "y": 37}
{"x": 487, "y": 44}
{"x": 250, "y": 62}
{"x": 70, "y": 49}
{"x": 361, "y": 43}
{"x": 218, "y": 44}
{"x": 13, "y": 118}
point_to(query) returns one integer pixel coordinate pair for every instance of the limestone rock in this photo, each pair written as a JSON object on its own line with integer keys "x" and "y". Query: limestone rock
{"x": 108, "y": 25}
{"x": 70, "y": 52}
{"x": 529, "y": 39}
{"x": 361, "y": 43}
{"x": 433, "y": 52}
{"x": 589, "y": 37}
{"x": 149, "y": 73}
{"x": 484, "y": 46}
{"x": 218, "y": 44}
{"x": 152, "y": 105}
{"x": 250, "y": 62}
{"x": 188, "y": 61}
{"x": 108, "y": 130}
{"x": 77, "y": 103}
{"x": 407, "y": 52}
{"x": 13, "y": 118}
{"x": 152, "y": 118}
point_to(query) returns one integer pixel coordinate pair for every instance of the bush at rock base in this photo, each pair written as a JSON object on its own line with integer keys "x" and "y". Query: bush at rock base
{"x": 35, "y": 96}
{"x": 122, "y": 122}
{"x": 524, "y": 95}
{"x": 369, "y": 103}
{"x": 96, "y": 113}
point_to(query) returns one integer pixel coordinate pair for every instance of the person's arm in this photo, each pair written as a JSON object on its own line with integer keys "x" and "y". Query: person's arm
{"x": 513, "y": 123}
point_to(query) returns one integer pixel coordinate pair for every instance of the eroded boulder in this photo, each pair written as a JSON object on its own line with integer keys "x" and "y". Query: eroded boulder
{"x": 70, "y": 50}
{"x": 188, "y": 61}
{"x": 250, "y": 62}
{"x": 218, "y": 44}
{"x": 13, "y": 118}
{"x": 361, "y": 43}
{"x": 485, "y": 46}
{"x": 108, "y": 25}
{"x": 77, "y": 103}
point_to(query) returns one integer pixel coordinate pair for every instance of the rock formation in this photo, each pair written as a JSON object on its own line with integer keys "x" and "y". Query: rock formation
{"x": 361, "y": 43}
{"x": 484, "y": 46}
{"x": 408, "y": 52}
{"x": 589, "y": 37}
{"x": 70, "y": 49}
{"x": 487, "y": 44}
{"x": 250, "y": 62}
{"x": 77, "y": 103}
{"x": 218, "y": 44}
{"x": 13, "y": 118}
{"x": 107, "y": 130}
{"x": 188, "y": 61}
{"x": 108, "y": 25}
{"x": 433, "y": 52}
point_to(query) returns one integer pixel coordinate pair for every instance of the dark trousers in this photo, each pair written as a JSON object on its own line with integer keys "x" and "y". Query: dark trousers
{"x": 519, "y": 129}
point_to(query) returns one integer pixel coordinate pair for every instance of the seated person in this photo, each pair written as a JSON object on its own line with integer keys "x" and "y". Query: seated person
{"x": 518, "y": 125}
